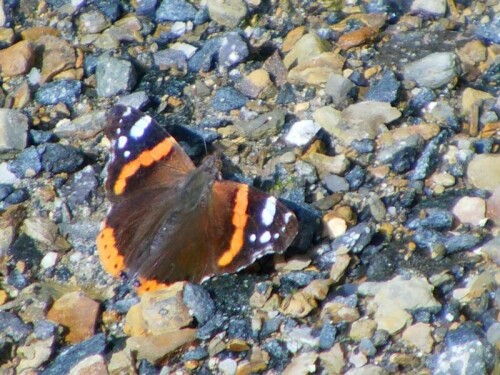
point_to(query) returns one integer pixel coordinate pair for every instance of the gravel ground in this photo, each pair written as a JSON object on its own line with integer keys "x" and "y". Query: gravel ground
{"x": 377, "y": 122}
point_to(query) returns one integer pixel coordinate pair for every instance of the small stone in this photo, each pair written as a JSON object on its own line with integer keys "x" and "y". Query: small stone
{"x": 35, "y": 354}
{"x": 57, "y": 158}
{"x": 302, "y": 132}
{"x": 366, "y": 370}
{"x": 233, "y": 49}
{"x": 204, "y": 59}
{"x": 362, "y": 329}
{"x": 433, "y": 71}
{"x": 94, "y": 364}
{"x": 63, "y": 91}
{"x": 13, "y": 130}
{"x": 263, "y": 126}
{"x": 333, "y": 361}
{"x": 436, "y": 8}
{"x": 355, "y": 239}
{"x": 12, "y": 326}
{"x": 327, "y": 336}
{"x": 78, "y": 313}
{"x": 170, "y": 59}
{"x": 58, "y": 56}
{"x": 175, "y": 10}
{"x": 227, "y": 99}
{"x": 42, "y": 229}
{"x": 443, "y": 179}
{"x": 338, "y": 87}
{"x": 199, "y": 303}
{"x": 473, "y": 98}
{"x": 138, "y": 100}
{"x": 17, "y": 59}
{"x": 328, "y": 118}
{"x": 68, "y": 358}
{"x": 335, "y": 183}
{"x": 386, "y": 89}
{"x": 490, "y": 31}
{"x": 357, "y": 37}
{"x": 92, "y": 22}
{"x": 303, "y": 363}
{"x": 365, "y": 120}
{"x": 470, "y": 210}
{"x": 419, "y": 334}
{"x": 316, "y": 70}
{"x": 82, "y": 127}
{"x": 155, "y": 348}
{"x": 484, "y": 162}
{"x": 339, "y": 312}
{"x": 114, "y": 76}
{"x": 255, "y": 84}
{"x": 228, "y": 366}
{"x": 307, "y": 47}
{"x": 338, "y": 269}
{"x": 227, "y": 12}
{"x": 158, "y": 312}
{"x": 395, "y": 297}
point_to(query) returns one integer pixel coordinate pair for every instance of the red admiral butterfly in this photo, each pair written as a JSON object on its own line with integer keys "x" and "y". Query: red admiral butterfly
{"x": 171, "y": 221}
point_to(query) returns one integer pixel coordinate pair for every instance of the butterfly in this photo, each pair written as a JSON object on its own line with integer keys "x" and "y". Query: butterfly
{"x": 171, "y": 221}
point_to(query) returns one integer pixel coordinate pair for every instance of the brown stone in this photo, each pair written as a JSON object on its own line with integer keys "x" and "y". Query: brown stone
{"x": 292, "y": 38}
{"x": 17, "y": 59}
{"x": 57, "y": 55}
{"x": 34, "y": 33}
{"x": 93, "y": 365}
{"x": 357, "y": 37}
{"x": 78, "y": 313}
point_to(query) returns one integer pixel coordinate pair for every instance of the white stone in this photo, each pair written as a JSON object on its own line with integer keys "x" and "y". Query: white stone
{"x": 471, "y": 210}
{"x": 302, "y": 132}
{"x": 433, "y": 7}
{"x": 187, "y": 49}
{"x": 49, "y": 260}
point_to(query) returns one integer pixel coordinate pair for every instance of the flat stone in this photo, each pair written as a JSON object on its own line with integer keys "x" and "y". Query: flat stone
{"x": 255, "y": 84}
{"x": 483, "y": 171}
{"x": 366, "y": 370}
{"x": 78, "y": 313}
{"x": 470, "y": 210}
{"x": 175, "y": 10}
{"x": 17, "y": 59}
{"x": 155, "y": 348}
{"x": 338, "y": 87}
{"x": 433, "y": 71}
{"x": 82, "y": 127}
{"x": 302, "y": 132}
{"x": 395, "y": 297}
{"x": 419, "y": 335}
{"x": 94, "y": 364}
{"x": 292, "y": 38}
{"x": 365, "y": 120}
{"x": 357, "y": 37}
{"x": 114, "y": 76}
{"x": 263, "y": 126}
{"x": 316, "y": 70}
{"x": 472, "y": 97}
{"x": 333, "y": 361}
{"x": 436, "y": 8}
{"x": 362, "y": 329}
{"x": 35, "y": 354}
{"x": 227, "y": 12}
{"x": 13, "y": 130}
{"x": 328, "y": 118}
{"x": 158, "y": 312}
{"x": 58, "y": 56}
{"x": 303, "y": 363}
{"x": 306, "y": 48}
{"x": 326, "y": 164}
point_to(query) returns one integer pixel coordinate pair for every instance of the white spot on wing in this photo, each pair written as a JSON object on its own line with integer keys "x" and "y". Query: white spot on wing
{"x": 276, "y": 236}
{"x": 252, "y": 237}
{"x": 265, "y": 237}
{"x": 127, "y": 112}
{"x": 137, "y": 131}
{"x": 118, "y": 131}
{"x": 269, "y": 211}
{"x": 122, "y": 141}
{"x": 126, "y": 154}
{"x": 287, "y": 217}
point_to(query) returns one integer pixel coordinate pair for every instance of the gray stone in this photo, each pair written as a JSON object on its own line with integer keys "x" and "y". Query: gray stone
{"x": 199, "y": 303}
{"x": 114, "y": 76}
{"x": 227, "y": 12}
{"x": 433, "y": 71}
{"x": 137, "y": 100}
{"x": 386, "y": 89}
{"x": 63, "y": 91}
{"x": 175, "y": 10}
{"x": 13, "y": 130}
{"x": 227, "y": 99}
{"x": 263, "y": 126}
{"x": 338, "y": 87}
{"x": 435, "y": 8}
{"x": 233, "y": 50}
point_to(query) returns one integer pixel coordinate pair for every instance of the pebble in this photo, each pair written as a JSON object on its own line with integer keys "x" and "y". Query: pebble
{"x": 490, "y": 31}
{"x": 386, "y": 89}
{"x": 470, "y": 210}
{"x": 327, "y": 336}
{"x": 393, "y": 298}
{"x": 175, "y": 10}
{"x": 365, "y": 120}
{"x": 419, "y": 334}
{"x": 170, "y": 59}
{"x": 316, "y": 70}
{"x": 302, "y": 132}
{"x": 233, "y": 50}
{"x": 35, "y": 354}
{"x": 57, "y": 158}
{"x": 227, "y": 99}
{"x": 475, "y": 171}
{"x": 77, "y": 313}
{"x": 13, "y": 130}
{"x": 58, "y": 56}
{"x": 227, "y": 13}
{"x": 433, "y": 71}
{"x": 333, "y": 361}
{"x": 114, "y": 76}
{"x": 82, "y": 127}
{"x": 355, "y": 239}
{"x": 13, "y": 327}
{"x": 26, "y": 164}
{"x": 17, "y": 59}
{"x": 80, "y": 188}
{"x": 493, "y": 207}
{"x": 435, "y": 218}
{"x": 64, "y": 91}
{"x": 255, "y": 84}
{"x": 338, "y": 88}
{"x": 199, "y": 303}
{"x": 362, "y": 329}
{"x": 138, "y": 100}
{"x": 204, "y": 59}
{"x": 466, "y": 351}
{"x": 263, "y": 126}
{"x": 303, "y": 363}
{"x": 228, "y": 366}
{"x": 70, "y": 357}
{"x": 335, "y": 183}
{"x": 435, "y": 8}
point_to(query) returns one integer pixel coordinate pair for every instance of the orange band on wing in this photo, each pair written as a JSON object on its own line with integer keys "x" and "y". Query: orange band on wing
{"x": 145, "y": 159}
{"x": 111, "y": 259}
{"x": 239, "y": 221}
{"x": 149, "y": 286}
